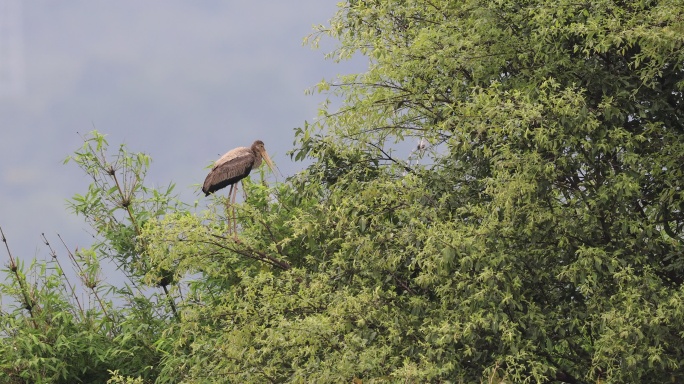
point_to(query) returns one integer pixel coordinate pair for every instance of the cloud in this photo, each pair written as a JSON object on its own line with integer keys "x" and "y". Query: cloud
{"x": 22, "y": 176}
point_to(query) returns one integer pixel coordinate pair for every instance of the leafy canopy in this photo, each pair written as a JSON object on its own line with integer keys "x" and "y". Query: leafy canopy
{"x": 535, "y": 235}
{"x": 538, "y": 239}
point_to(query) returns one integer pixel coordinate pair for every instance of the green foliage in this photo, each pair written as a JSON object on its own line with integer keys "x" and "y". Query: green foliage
{"x": 538, "y": 238}
{"x": 50, "y": 335}
{"x": 118, "y": 204}
{"x": 117, "y": 378}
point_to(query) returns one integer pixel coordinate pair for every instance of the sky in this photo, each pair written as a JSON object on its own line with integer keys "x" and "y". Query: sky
{"x": 183, "y": 81}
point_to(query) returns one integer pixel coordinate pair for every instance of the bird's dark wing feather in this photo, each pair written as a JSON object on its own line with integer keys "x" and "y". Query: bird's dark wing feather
{"x": 229, "y": 169}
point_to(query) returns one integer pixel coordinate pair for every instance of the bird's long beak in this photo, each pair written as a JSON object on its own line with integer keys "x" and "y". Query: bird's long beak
{"x": 267, "y": 159}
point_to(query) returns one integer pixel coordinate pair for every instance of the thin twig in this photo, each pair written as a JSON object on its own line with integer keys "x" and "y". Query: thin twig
{"x": 66, "y": 279}
{"x": 253, "y": 254}
{"x": 28, "y": 303}
{"x": 390, "y": 158}
{"x": 82, "y": 274}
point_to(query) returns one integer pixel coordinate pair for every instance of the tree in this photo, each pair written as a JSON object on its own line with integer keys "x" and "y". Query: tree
{"x": 56, "y": 330}
{"x": 539, "y": 240}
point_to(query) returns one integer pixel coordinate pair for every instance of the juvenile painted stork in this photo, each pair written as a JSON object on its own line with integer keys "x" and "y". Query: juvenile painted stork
{"x": 234, "y": 166}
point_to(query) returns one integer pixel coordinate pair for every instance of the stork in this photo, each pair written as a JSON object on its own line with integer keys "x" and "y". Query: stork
{"x": 234, "y": 166}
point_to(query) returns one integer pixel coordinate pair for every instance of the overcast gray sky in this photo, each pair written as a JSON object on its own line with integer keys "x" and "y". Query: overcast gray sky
{"x": 183, "y": 81}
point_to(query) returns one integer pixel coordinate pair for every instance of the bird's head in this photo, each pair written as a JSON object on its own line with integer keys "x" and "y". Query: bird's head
{"x": 258, "y": 147}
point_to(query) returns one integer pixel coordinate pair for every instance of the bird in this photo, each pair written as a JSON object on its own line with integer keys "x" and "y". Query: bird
{"x": 234, "y": 166}
{"x": 422, "y": 144}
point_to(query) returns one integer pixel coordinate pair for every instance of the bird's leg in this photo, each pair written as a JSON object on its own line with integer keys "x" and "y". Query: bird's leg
{"x": 234, "y": 192}
{"x": 229, "y": 206}
{"x": 230, "y": 194}
{"x": 244, "y": 190}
